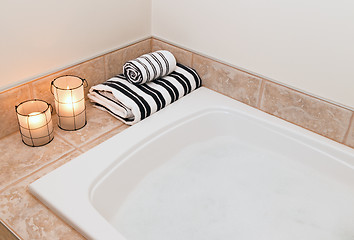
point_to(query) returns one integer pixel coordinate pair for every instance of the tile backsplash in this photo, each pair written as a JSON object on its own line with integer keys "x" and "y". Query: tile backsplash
{"x": 317, "y": 115}
{"x": 325, "y": 118}
{"x": 20, "y": 165}
{"x": 8, "y": 100}
{"x": 227, "y": 80}
{"x": 95, "y": 71}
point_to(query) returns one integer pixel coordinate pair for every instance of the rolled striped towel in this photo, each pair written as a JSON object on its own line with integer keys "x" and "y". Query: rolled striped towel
{"x": 132, "y": 103}
{"x": 149, "y": 67}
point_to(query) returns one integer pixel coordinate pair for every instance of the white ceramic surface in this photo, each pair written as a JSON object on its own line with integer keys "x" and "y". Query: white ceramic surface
{"x": 207, "y": 167}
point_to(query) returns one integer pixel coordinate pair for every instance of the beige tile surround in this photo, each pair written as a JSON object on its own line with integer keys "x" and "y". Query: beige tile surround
{"x": 20, "y": 165}
{"x": 319, "y": 116}
{"x": 6, "y": 234}
{"x": 327, "y": 119}
{"x": 95, "y": 71}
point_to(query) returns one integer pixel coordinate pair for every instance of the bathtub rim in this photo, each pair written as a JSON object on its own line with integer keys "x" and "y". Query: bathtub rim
{"x": 52, "y": 188}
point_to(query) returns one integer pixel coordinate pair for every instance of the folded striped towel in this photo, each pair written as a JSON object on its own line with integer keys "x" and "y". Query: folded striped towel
{"x": 149, "y": 67}
{"x": 131, "y": 103}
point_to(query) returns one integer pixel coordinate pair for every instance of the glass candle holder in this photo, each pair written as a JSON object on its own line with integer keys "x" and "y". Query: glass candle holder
{"x": 35, "y": 122}
{"x": 68, "y": 91}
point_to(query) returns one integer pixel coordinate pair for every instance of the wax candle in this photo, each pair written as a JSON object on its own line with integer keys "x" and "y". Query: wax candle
{"x": 35, "y": 122}
{"x": 69, "y": 99}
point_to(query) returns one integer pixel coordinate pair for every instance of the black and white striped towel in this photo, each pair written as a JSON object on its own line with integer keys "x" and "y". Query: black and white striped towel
{"x": 149, "y": 67}
{"x": 132, "y": 103}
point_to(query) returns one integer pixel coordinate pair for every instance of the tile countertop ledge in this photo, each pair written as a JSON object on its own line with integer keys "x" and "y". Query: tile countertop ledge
{"x": 21, "y": 165}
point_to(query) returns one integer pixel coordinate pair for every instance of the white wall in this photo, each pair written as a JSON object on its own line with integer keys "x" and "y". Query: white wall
{"x": 304, "y": 44}
{"x": 40, "y": 36}
{"x": 307, "y": 44}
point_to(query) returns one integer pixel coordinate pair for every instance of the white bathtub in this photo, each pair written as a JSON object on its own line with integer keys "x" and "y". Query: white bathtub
{"x": 207, "y": 167}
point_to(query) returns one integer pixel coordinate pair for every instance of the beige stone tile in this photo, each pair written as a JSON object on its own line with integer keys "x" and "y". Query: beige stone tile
{"x": 8, "y": 100}
{"x": 19, "y": 160}
{"x": 114, "y": 61}
{"x": 103, "y": 137}
{"x": 41, "y": 89}
{"x": 316, "y": 115}
{"x": 228, "y": 80}
{"x": 92, "y": 71}
{"x": 181, "y": 55}
{"x": 6, "y": 234}
{"x": 98, "y": 123}
{"x": 350, "y": 137}
{"x": 27, "y": 216}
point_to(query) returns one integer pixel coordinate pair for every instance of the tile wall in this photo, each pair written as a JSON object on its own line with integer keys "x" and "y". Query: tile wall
{"x": 322, "y": 117}
{"x": 6, "y": 234}
{"x": 95, "y": 71}
{"x": 20, "y": 165}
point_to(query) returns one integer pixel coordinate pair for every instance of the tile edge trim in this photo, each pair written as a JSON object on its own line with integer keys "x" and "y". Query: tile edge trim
{"x": 73, "y": 64}
{"x": 13, "y": 232}
{"x": 254, "y": 74}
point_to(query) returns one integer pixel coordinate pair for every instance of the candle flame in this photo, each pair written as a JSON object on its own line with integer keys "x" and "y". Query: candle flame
{"x": 35, "y": 120}
{"x": 68, "y": 98}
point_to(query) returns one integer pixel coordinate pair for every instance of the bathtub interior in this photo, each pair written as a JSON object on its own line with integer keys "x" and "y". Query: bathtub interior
{"x": 222, "y": 172}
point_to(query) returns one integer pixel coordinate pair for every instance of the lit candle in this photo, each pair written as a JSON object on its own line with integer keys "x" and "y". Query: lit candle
{"x": 69, "y": 98}
{"x": 68, "y": 106}
{"x": 35, "y": 122}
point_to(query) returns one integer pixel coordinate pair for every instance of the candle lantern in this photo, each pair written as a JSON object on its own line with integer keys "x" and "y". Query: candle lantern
{"x": 35, "y": 122}
{"x": 68, "y": 91}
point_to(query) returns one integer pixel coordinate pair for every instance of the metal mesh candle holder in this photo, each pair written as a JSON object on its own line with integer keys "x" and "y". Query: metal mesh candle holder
{"x": 35, "y": 122}
{"x": 68, "y": 91}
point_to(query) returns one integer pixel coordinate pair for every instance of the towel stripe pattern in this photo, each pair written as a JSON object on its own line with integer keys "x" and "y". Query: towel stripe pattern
{"x": 132, "y": 103}
{"x": 149, "y": 67}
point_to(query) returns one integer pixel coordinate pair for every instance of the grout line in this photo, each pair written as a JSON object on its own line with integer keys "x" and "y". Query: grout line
{"x": 10, "y": 229}
{"x": 346, "y": 135}
{"x": 30, "y": 85}
{"x": 193, "y": 52}
{"x": 104, "y": 67}
{"x": 192, "y": 59}
{"x": 37, "y": 170}
{"x": 313, "y": 97}
{"x": 264, "y": 80}
{"x": 231, "y": 97}
{"x": 173, "y": 46}
{"x": 304, "y": 127}
{"x": 124, "y": 47}
{"x": 75, "y": 148}
{"x": 68, "y": 67}
{"x": 102, "y": 135}
{"x": 64, "y": 140}
{"x": 170, "y": 44}
{"x": 211, "y": 58}
{"x": 99, "y": 136}
{"x": 283, "y": 118}
{"x": 261, "y": 91}
{"x": 259, "y": 76}
{"x": 57, "y": 216}
{"x": 79, "y": 150}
